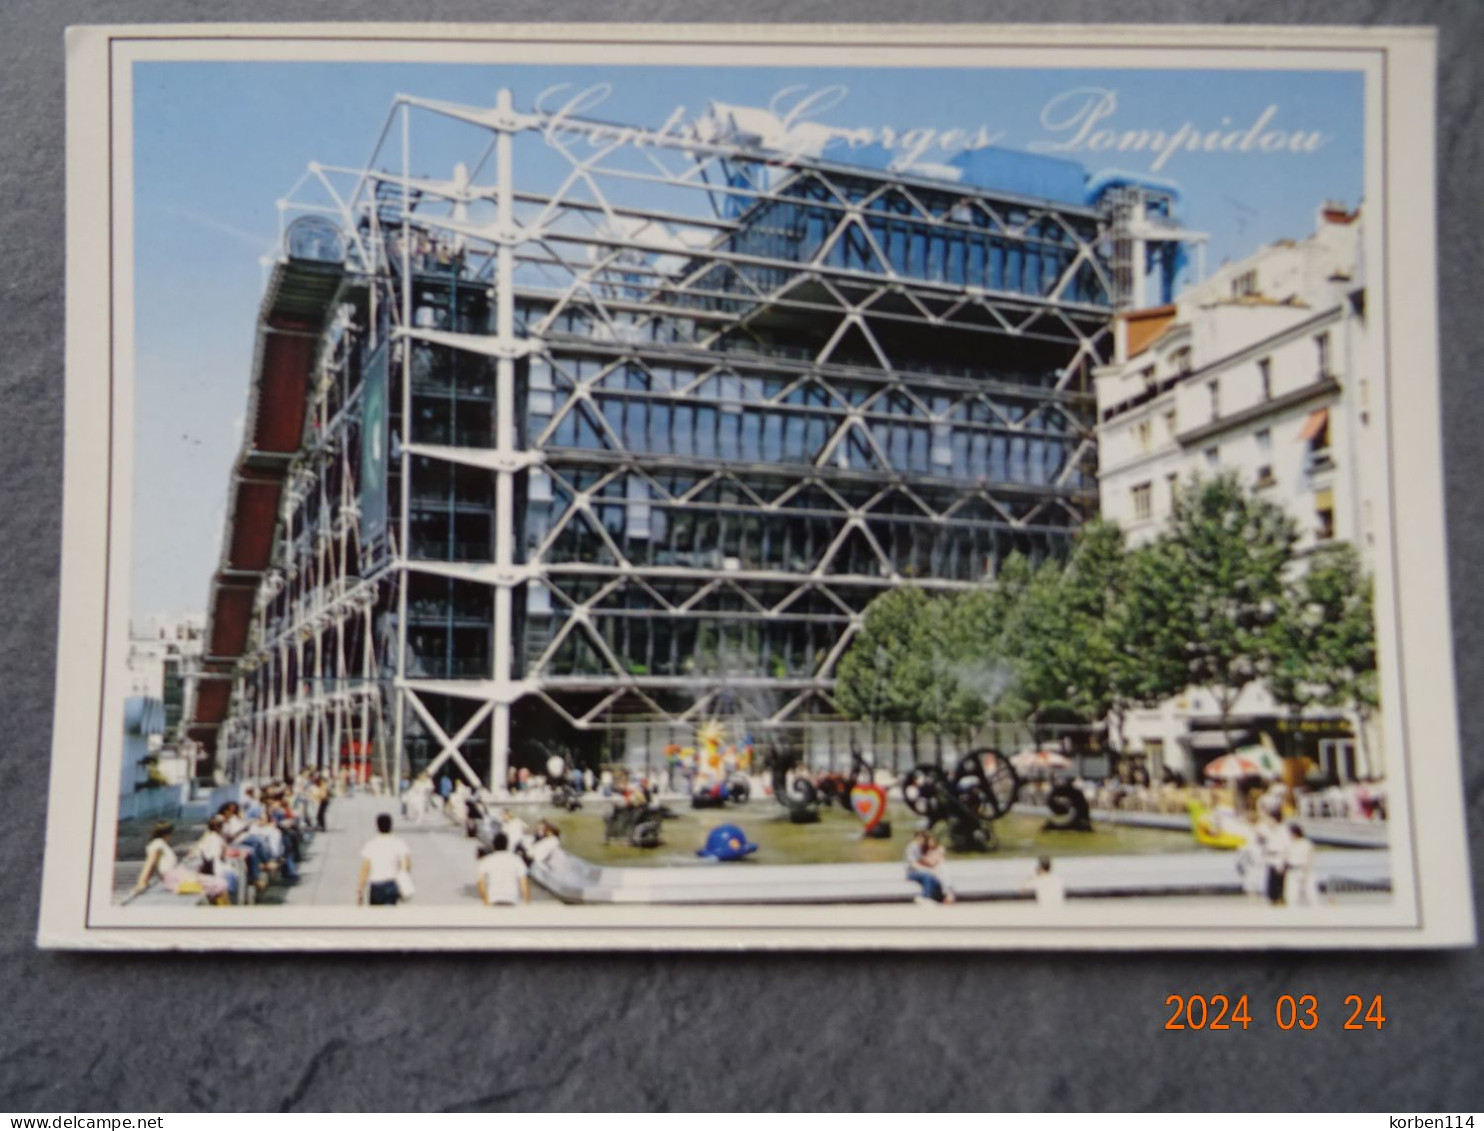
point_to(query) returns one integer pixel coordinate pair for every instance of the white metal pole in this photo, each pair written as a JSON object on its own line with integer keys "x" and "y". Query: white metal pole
{"x": 403, "y": 521}
{"x": 505, "y": 445}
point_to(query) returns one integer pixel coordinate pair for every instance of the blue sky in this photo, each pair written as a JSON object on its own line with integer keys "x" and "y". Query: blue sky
{"x": 217, "y": 144}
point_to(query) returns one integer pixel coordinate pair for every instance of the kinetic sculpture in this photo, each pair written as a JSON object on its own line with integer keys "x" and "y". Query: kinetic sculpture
{"x": 796, "y": 794}
{"x": 638, "y": 819}
{"x": 1069, "y": 811}
{"x": 726, "y": 842}
{"x": 868, "y": 802}
{"x": 981, "y": 789}
{"x": 720, "y": 774}
{"x": 803, "y": 796}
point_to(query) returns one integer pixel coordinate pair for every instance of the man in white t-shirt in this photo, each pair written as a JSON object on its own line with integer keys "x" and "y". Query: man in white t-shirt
{"x": 502, "y": 876}
{"x": 383, "y": 857}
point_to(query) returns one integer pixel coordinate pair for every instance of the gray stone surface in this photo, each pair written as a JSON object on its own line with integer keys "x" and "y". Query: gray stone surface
{"x": 730, "y": 1031}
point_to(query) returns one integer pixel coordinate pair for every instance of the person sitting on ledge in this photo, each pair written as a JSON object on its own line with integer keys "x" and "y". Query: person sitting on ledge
{"x": 924, "y": 864}
{"x": 502, "y": 875}
{"x": 162, "y": 864}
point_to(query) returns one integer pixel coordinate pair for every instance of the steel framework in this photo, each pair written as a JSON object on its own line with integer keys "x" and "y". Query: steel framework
{"x": 613, "y": 427}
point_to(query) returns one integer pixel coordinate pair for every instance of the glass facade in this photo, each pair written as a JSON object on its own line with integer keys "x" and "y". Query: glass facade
{"x": 726, "y": 436}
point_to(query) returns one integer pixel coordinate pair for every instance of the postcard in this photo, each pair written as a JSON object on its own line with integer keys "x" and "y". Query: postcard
{"x": 738, "y": 487}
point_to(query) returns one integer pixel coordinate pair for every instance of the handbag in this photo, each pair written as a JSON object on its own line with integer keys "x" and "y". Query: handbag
{"x": 406, "y": 889}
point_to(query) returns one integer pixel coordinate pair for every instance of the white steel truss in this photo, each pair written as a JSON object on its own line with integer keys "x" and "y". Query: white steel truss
{"x": 666, "y": 416}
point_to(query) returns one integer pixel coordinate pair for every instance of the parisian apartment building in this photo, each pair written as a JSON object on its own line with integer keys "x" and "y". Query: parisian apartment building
{"x": 1263, "y": 369}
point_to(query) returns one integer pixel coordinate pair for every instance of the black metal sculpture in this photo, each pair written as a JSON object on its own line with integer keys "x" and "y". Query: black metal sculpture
{"x": 796, "y": 794}
{"x": 981, "y": 789}
{"x": 1069, "y": 810}
{"x": 804, "y": 796}
{"x": 735, "y": 789}
{"x": 639, "y": 821}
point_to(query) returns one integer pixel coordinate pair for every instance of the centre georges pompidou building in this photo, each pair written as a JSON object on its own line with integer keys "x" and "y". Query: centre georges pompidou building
{"x": 614, "y": 431}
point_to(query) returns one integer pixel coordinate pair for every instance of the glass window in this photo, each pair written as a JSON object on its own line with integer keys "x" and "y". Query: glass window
{"x": 917, "y": 253}
{"x": 1014, "y": 266}
{"x": 685, "y": 437}
{"x": 752, "y": 429}
{"x": 956, "y": 258}
{"x": 1143, "y": 502}
{"x": 1321, "y": 346}
{"x": 794, "y": 438}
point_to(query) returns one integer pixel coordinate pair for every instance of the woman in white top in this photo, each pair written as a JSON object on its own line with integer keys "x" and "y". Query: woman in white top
{"x": 161, "y": 862}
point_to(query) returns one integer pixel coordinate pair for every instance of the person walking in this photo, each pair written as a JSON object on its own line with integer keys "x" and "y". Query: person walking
{"x": 1300, "y": 886}
{"x": 384, "y": 859}
{"x": 319, "y": 794}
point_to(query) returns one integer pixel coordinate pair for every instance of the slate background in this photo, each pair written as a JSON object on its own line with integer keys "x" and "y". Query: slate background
{"x": 486, "y": 1032}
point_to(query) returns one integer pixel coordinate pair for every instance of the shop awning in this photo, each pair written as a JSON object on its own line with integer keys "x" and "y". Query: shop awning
{"x": 1314, "y": 425}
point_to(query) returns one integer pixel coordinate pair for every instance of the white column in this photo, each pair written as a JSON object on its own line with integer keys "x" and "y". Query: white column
{"x": 399, "y": 704}
{"x": 1139, "y": 266}
{"x": 505, "y": 443}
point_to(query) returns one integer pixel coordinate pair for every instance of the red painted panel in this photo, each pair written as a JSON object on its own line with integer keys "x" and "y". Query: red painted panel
{"x": 212, "y": 698}
{"x": 254, "y": 516}
{"x": 282, "y": 386}
{"x": 231, "y": 613}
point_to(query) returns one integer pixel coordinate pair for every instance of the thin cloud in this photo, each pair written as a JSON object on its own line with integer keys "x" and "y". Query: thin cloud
{"x": 256, "y": 242}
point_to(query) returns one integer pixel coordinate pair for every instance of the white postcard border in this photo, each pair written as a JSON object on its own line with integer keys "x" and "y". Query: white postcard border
{"x": 1431, "y": 904}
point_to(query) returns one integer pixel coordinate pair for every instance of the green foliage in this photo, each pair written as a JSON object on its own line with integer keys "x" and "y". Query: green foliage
{"x": 1212, "y": 602}
{"x": 1213, "y": 585}
{"x": 1324, "y": 650}
{"x": 1069, "y": 659}
{"x": 1152, "y": 642}
{"x": 982, "y": 643}
{"x": 901, "y": 666}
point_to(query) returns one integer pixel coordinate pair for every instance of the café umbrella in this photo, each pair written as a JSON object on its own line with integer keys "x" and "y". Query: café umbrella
{"x": 1040, "y": 761}
{"x": 1248, "y": 762}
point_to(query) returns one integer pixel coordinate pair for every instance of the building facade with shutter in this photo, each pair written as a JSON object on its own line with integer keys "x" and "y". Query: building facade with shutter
{"x": 1263, "y": 369}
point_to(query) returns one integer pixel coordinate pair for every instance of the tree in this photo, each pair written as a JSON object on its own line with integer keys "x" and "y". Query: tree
{"x": 1038, "y": 641}
{"x": 1324, "y": 647}
{"x": 1142, "y": 631}
{"x": 981, "y": 641}
{"x": 1070, "y": 661}
{"x": 1205, "y": 597}
{"x": 900, "y": 666}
